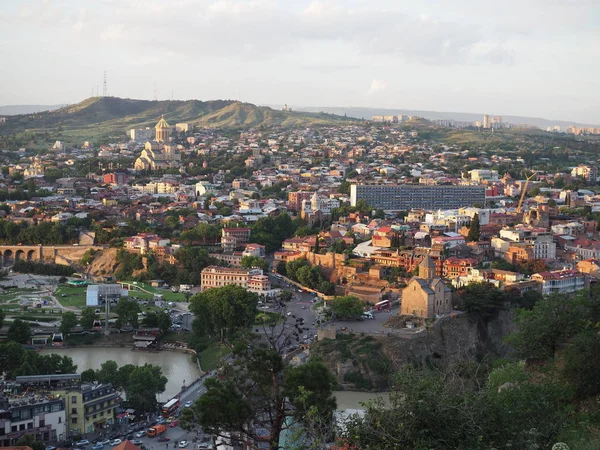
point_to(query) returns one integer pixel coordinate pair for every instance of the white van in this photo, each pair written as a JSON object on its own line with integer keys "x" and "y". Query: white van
{"x": 367, "y": 315}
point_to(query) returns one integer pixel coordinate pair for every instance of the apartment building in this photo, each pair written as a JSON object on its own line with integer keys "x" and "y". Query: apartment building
{"x": 233, "y": 238}
{"x": 252, "y": 280}
{"x": 404, "y": 197}
{"x": 295, "y": 199}
{"x": 458, "y": 267}
{"x": 39, "y": 415}
{"x": 560, "y": 281}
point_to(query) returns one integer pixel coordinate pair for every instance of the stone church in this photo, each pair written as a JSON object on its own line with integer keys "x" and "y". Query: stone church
{"x": 427, "y": 295}
{"x": 159, "y": 153}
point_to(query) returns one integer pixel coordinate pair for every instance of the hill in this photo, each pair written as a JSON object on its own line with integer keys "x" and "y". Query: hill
{"x": 112, "y": 116}
{"x": 367, "y": 113}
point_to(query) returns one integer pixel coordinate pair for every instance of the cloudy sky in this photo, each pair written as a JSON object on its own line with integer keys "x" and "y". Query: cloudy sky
{"x": 524, "y": 57}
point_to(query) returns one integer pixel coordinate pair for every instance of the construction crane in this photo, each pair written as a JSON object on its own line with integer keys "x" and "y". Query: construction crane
{"x": 524, "y": 190}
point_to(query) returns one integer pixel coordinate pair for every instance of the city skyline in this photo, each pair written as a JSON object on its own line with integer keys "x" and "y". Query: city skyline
{"x": 466, "y": 56}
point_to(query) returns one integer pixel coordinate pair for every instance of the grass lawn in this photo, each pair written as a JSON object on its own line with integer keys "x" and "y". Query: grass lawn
{"x": 73, "y": 296}
{"x": 167, "y": 294}
{"x": 212, "y": 355}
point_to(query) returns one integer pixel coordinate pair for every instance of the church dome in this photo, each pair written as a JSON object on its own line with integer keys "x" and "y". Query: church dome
{"x": 162, "y": 123}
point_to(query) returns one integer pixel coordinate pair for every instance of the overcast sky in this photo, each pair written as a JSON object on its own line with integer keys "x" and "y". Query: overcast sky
{"x": 523, "y": 57}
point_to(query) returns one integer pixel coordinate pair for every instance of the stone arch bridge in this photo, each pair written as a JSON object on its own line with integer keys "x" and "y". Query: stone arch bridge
{"x": 56, "y": 254}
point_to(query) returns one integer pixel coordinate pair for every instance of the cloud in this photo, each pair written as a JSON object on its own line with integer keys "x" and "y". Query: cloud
{"x": 113, "y": 32}
{"x": 79, "y": 24}
{"x": 377, "y": 86}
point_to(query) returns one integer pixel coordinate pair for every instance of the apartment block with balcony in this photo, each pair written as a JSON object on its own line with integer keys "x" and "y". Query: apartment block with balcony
{"x": 252, "y": 280}
{"x": 560, "y": 281}
{"x": 234, "y": 238}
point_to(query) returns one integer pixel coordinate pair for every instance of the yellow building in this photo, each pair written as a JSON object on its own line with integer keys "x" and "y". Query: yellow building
{"x": 426, "y": 295}
{"x": 90, "y": 407}
{"x": 159, "y": 154}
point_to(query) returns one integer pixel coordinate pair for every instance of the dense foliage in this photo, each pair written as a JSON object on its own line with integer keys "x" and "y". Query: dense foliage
{"x": 272, "y": 231}
{"x": 301, "y": 271}
{"x": 41, "y": 268}
{"x": 15, "y": 360}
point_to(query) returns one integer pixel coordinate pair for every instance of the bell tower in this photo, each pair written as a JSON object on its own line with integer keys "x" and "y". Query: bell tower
{"x": 427, "y": 269}
{"x": 163, "y": 130}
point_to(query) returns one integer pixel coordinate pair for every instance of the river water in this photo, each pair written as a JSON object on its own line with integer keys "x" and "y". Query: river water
{"x": 178, "y": 367}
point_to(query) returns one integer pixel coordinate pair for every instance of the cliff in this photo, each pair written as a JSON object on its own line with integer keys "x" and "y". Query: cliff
{"x": 367, "y": 362}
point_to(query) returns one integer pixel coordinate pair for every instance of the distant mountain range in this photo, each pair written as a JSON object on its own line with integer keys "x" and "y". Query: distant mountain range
{"x": 13, "y": 110}
{"x": 101, "y": 116}
{"x": 367, "y": 113}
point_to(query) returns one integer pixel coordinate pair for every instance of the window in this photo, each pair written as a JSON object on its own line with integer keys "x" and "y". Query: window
{"x": 59, "y": 419}
{"x": 43, "y": 422}
{"x": 30, "y": 425}
{"x": 73, "y": 410}
{"x": 73, "y": 399}
{"x": 74, "y": 421}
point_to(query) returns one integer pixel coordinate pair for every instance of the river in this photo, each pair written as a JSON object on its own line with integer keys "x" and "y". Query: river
{"x": 177, "y": 367}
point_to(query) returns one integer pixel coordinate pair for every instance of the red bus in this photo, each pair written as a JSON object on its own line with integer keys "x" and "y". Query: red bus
{"x": 385, "y": 304}
{"x": 170, "y": 407}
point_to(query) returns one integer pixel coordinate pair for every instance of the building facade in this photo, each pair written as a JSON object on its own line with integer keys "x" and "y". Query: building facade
{"x": 426, "y": 295}
{"x": 252, "y": 280}
{"x": 233, "y": 238}
{"x": 404, "y": 197}
{"x": 560, "y": 281}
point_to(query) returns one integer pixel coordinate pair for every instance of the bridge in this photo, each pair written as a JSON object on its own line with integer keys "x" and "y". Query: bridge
{"x": 56, "y": 254}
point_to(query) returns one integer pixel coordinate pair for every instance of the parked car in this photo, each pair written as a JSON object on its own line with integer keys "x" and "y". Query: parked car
{"x": 97, "y": 446}
{"x": 136, "y": 441}
{"x": 82, "y": 443}
{"x": 104, "y": 442}
{"x": 183, "y": 444}
{"x": 174, "y": 423}
{"x": 163, "y": 439}
{"x": 141, "y": 433}
{"x": 50, "y": 447}
{"x": 187, "y": 404}
{"x": 115, "y": 442}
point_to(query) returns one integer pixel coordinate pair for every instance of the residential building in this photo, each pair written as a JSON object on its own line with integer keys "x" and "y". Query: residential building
{"x": 404, "y": 197}
{"x": 39, "y": 415}
{"x": 560, "y": 281}
{"x": 426, "y": 295}
{"x": 458, "y": 267}
{"x": 589, "y": 173}
{"x": 295, "y": 199}
{"x": 251, "y": 279}
{"x": 234, "y": 238}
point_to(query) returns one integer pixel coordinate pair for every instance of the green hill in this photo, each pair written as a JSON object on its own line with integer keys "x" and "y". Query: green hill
{"x": 112, "y": 116}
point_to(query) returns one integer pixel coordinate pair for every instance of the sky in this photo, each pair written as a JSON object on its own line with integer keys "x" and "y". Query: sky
{"x": 538, "y": 58}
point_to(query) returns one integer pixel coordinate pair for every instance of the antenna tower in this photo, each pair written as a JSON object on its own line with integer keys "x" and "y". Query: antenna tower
{"x": 105, "y": 86}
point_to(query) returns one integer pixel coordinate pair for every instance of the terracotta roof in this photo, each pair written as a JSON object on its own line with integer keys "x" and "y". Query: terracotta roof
{"x": 126, "y": 445}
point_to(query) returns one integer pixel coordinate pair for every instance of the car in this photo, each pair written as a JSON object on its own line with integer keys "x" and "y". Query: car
{"x": 289, "y": 313}
{"x": 50, "y": 447}
{"x": 174, "y": 423}
{"x": 136, "y": 441}
{"x": 163, "y": 439}
{"x": 139, "y": 434}
{"x": 104, "y": 442}
{"x": 187, "y": 404}
{"x": 303, "y": 307}
{"x": 161, "y": 420}
{"x": 169, "y": 419}
{"x": 97, "y": 446}
{"x": 305, "y": 337}
{"x": 115, "y": 442}
{"x": 82, "y": 443}
{"x": 182, "y": 444}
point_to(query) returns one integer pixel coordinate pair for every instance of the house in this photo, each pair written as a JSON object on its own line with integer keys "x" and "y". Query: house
{"x": 426, "y": 295}
{"x": 560, "y": 281}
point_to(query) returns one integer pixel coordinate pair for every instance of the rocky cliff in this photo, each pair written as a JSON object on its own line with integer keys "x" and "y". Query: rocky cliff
{"x": 367, "y": 362}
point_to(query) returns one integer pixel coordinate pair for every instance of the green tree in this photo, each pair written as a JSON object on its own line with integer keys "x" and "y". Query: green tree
{"x": 28, "y": 440}
{"x": 344, "y": 188}
{"x": 19, "y": 331}
{"x": 2, "y": 316}
{"x": 223, "y": 311}
{"x": 551, "y": 322}
{"x": 346, "y": 307}
{"x": 160, "y": 320}
{"x": 482, "y": 298}
{"x": 109, "y": 373}
{"x": 68, "y": 322}
{"x": 260, "y": 391}
{"x": 10, "y": 358}
{"x": 474, "y": 229}
{"x": 86, "y": 320}
{"x": 128, "y": 310}
{"x": 581, "y": 367}
{"x": 280, "y": 268}
{"x": 250, "y": 262}
{"x": 142, "y": 386}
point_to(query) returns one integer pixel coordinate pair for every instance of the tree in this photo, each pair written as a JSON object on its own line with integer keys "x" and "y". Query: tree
{"x": 160, "y": 320}
{"x": 2, "y": 316}
{"x": 259, "y": 391}
{"x": 29, "y": 440}
{"x": 250, "y": 262}
{"x": 317, "y": 242}
{"x": 87, "y": 318}
{"x": 346, "y": 307}
{"x": 475, "y": 229}
{"x": 142, "y": 385}
{"x": 223, "y": 311}
{"x": 581, "y": 366}
{"x": 344, "y": 188}
{"x": 379, "y": 214}
{"x": 68, "y": 322}
{"x": 128, "y": 310}
{"x": 552, "y": 321}
{"x": 10, "y": 358}
{"x": 19, "y": 331}
{"x": 280, "y": 268}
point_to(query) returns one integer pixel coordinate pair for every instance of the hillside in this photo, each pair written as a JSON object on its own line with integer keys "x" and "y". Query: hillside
{"x": 11, "y": 110}
{"x": 102, "y": 116}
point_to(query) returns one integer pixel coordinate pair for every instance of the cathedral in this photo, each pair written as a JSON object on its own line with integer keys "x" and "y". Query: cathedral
{"x": 426, "y": 295}
{"x": 159, "y": 153}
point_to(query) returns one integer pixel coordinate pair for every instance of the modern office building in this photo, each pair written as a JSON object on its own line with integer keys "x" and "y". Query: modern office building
{"x": 404, "y": 197}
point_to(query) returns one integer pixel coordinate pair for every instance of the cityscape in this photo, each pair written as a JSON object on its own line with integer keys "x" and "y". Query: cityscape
{"x": 185, "y": 267}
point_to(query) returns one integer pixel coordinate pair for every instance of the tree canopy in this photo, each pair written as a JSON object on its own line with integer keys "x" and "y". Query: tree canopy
{"x": 346, "y": 307}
